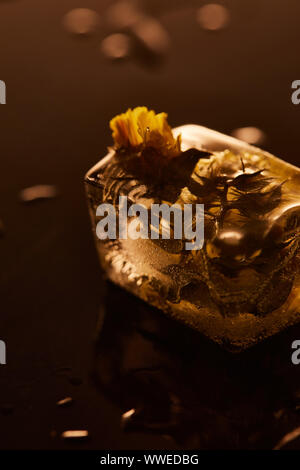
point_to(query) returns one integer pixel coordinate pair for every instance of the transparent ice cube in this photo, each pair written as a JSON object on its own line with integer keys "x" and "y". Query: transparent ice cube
{"x": 243, "y": 285}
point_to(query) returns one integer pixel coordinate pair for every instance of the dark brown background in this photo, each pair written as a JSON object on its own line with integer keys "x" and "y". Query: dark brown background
{"x": 61, "y": 93}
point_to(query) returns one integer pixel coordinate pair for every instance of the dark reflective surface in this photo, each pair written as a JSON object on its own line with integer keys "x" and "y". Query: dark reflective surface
{"x": 186, "y": 388}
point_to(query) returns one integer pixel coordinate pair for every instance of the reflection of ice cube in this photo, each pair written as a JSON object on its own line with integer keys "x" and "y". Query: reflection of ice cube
{"x": 184, "y": 375}
{"x": 165, "y": 275}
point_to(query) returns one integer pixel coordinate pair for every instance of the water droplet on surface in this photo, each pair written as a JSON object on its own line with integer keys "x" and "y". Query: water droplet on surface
{"x": 289, "y": 437}
{"x": 75, "y": 434}
{"x": 40, "y": 191}
{"x": 81, "y": 21}
{"x": 116, "y": 46}
{"x": 213, "y": 16}
{"x": 128, "y": 414}
{"x": 152, "y": 35}
{"x": 65, "y": 402}
{"x": 251, "y": 135}
{"x": 127, "y": 417}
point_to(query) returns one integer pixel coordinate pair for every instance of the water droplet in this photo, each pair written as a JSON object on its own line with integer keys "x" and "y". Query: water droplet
{"x": 65, "y": 402}
{"x": 75, "y": 434}
{"x": 291, "y": 436}
{"x": 251, "y": 135}
{"x": 128, "y": 414}
{"x": 213, "y": 16}
{"x": 116, "y": 46}
{"x": 81, "y": 21}
{"x": 152, "y": 36}
{"x": 126, "y": 417}
{"x": 40, "y": 191}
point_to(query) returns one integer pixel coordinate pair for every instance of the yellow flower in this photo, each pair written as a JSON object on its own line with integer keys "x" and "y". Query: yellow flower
{"x": 141, "y": 128}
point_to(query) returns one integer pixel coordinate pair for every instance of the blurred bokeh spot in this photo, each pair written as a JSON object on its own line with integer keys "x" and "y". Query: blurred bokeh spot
{"x": 81, "y": 21}
{"x": 213, "y": 16}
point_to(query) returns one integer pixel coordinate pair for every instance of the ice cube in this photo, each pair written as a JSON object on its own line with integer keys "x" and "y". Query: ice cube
{"x": 243, "y": 285}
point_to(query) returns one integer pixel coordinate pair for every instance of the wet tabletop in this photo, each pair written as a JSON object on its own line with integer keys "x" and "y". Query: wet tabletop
{"x": 67, "y": 333}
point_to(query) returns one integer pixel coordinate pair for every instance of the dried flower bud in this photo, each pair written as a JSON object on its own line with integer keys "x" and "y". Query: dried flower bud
{"x": 140, "y": 128}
